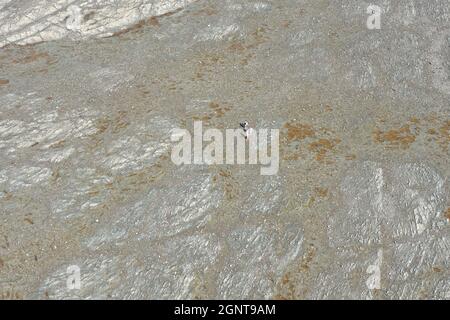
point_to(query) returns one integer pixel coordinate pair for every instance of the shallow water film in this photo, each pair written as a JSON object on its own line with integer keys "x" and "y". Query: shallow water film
{"x": 92, "y": 205}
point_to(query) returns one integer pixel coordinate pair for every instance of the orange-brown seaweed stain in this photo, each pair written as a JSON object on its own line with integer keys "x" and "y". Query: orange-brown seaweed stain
{"x": 287, "y": 280}
{"x": 447, "y": 214}
{"x": 258, "y": 37}
{"x": 395, "y": 138}
{"x": 322, "y": 147}
{"x": 152, "y": 21}
{"x": 295, "y": 131}
{"x": 321, "y": 192}
{"x": 226, "y": 181}
{"x": 298, "y": 131}
{"x": 28, "y": 220}
{"x": 116, "y": 123}
{"x": 208, "y": 11}
{"x": 32, "y": 56}
{"x": 4, "y": 82}
{"x": 414, "y": 120}
{"x": 287, "y": 285}
{"x": 444, "y": 133}
{"x": 207, "y": 63}
{"x": 308, "y": 258}
{"x": 217, "y": 112}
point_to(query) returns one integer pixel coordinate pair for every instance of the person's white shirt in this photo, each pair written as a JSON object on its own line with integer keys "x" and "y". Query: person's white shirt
{"x": 248, "y": 132}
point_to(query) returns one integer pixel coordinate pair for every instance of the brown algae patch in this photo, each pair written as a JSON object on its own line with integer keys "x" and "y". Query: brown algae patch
{"x": 31, "y": 55}
{"x": 298, "y": 131}
{"x": 323, "y": 147}
{"x": 227, "y": 182}
{"x": 207, "y": 11}
{"x": 290, "y": 284}
{"x": 444, "y": 135}
{"x": 294, "y": 132}
{"x": 402, "y": 138}
{"x": 308, "y": 258}
{"x": 318, "y": 193}
{"x": 447, "y": 214}
{"x": 321, "y": 192}
{"x": 287, "y": 285}
{"x": 244, "y": 49}
{"x": 217, "y": 111}
{"x": 206, "y": 64}
{"x": 320, "y": 141}
{"x": 152, "y": 21}
{"x": 395, "y": 138}
{"x": 115, "y": 124}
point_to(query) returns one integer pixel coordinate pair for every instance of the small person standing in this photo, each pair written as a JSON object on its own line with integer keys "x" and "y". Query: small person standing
{"x": 246, "y": 127}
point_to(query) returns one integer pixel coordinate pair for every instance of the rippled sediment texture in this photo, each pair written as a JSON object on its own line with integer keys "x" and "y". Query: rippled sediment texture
{"x": 28, "y": 22}
{"x": 360, "y": 207}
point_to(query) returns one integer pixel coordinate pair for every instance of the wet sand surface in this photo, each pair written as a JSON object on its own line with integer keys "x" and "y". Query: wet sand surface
{"x": 362, "y": 190}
